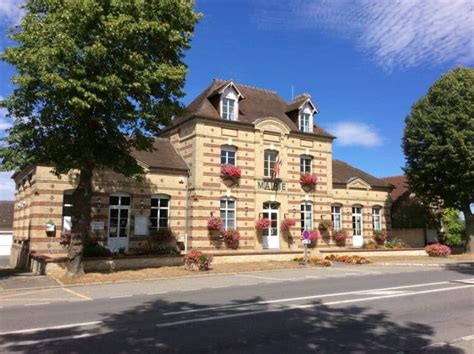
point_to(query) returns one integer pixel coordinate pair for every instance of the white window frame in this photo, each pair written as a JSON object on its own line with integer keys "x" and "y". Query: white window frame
{"x": 305, "y": 119}
{"x": 159, "y": 208}
{"x": 336, "y": 217}
{"x": 306, "y": 215}
{"x": 357, "y": 216}
{"x": 229, "y": 98}
{"x": 228, "y": 108}
{"x": 225, "y": 150}
{"x": 120, "y": 207}
{"x": 268, "y": 164}
{"x": 224, "y": 212}
{"x": 305, "y": 162}
{"x": 377, "y": 218}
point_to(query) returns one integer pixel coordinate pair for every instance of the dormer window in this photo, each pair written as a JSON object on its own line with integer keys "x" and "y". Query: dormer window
{"x": 305, "y": 122}
{"x": 228, "y": 109}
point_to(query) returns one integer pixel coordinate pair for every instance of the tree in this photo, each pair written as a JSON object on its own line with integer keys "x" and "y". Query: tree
{"x": 95, "y": 80}
{"x": 438, "y": 144}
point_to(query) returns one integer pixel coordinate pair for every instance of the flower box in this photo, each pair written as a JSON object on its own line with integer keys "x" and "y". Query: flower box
{"x": 308, "y": 180}
{"x": 340, "y": 237}
{"x": 230, "y": 172}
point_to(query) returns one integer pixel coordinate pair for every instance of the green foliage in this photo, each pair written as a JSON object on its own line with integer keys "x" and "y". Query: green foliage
{"x": 454, "y": 235}
{"x": 396, "y": 243}
{"x": 438, "y": 142}
{"x": 95, "y": 79}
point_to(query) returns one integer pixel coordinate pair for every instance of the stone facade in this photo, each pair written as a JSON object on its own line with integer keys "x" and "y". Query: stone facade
{"x": 196, "y": 193}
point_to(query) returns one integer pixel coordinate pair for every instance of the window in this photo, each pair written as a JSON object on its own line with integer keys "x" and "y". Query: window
{"x": 356, "y": 221}
{"x": 270, "y": 158}
{"x": 228, "y": 109}
{"x": 67, "y": 211}
{"x": 119, "y": 215}
{"x": 228, "y": 155}
{"x": 228, "y": 213}
{"x": 160, "y": 212}
{"x": 306, "y": 216}
{"x": 305, "y": 122}
{"x": 305, "y": 164}
{"x": 336, "y": 217}
{"x": 376, "y": 219}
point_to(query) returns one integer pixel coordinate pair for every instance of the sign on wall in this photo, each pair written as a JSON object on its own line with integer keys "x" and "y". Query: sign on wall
{"x": 272, "y": 186}
{"x": 141, "y": 225}
{"x": 97, "y": 225}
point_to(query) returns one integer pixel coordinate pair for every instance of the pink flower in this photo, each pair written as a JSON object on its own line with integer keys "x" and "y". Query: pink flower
{"x": 287, "y": 224}
{"x": 308, "y": 180}
{"x": 230, "y": 171}
{"x": 263, "y": 223}
{"x": 214, "y": 223}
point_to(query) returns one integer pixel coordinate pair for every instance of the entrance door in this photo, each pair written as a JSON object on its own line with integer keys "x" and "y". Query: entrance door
{"x": 357, "y": 238}
{"x": 271, "y": 237}
{"x": 119, "y": 221}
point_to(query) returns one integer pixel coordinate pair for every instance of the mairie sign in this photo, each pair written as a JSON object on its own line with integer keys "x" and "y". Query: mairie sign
{"x": 272, "y": 185}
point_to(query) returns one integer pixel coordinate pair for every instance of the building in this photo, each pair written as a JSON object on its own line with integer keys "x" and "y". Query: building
{"x": 271, "y": 142}
{"x": 6, "y": 227}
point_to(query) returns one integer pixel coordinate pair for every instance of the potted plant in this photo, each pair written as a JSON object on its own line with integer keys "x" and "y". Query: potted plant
{"x": 308, "y": 180}
{"x": 286, "y": 224}
{"x": 230, "y": 172}
{"x": 262, "y": 223}
{"x": 214, "y": 223}
{"x": 340, "y": 237}
{"x": 231, "y": 238}
{"x": 325, "y": 225}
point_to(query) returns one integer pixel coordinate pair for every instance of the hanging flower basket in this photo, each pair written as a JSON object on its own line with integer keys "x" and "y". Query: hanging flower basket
{"x": 231, "y": 236}
{"x": 286, "y": 224}
{"x": 308, "y": 180}
{"x": 314, "y": 235}
{"x": 262, "y": 223}
{"x": 230, "y": 172}
{"x": 214, "y": 223}
{"x": 340, "y": 237}
{"x": 325, "y": 225}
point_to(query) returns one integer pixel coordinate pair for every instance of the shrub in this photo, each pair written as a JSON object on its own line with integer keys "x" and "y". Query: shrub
{"x": 308, "y": 180}
{"x": 161, "y": 236}
{"x": 320, "y": 262}
{"x": 454, "y": 235}
{"x": 195, "y": 259}
{"x": 231, "y": 236}
{"x": 438, "y": 250}
{"x": 325, "y": 225}
{"x": 215, "y": 223}
{"x": 380, "y": 236}
{"x": 230, "y": 171}
{"x": 262, "y": 223}
{"x": 94, "y": 249}
{"x": 287, "y": 224}
{"x": 396, "y": 243}
{"x": 160, "y": 249}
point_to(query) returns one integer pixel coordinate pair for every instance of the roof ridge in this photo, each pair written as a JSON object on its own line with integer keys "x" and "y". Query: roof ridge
{"x": 396, "y": 176}
{"x": 248, "y": 86}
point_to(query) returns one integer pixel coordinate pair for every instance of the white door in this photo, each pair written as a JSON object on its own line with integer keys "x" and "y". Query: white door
{"x": 357, "y": 237}
{"x": 119, "y": 222}
{"x": 271, "y": 237}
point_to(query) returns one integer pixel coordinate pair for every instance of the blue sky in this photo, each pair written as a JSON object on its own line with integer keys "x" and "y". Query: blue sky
{"x": 363, "y": 62}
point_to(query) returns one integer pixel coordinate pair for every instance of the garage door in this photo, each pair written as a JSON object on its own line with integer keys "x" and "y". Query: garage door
{"x": 5, "y": 244}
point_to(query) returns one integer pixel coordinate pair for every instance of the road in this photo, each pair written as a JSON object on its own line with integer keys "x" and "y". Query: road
{"x": 347, "y": 309}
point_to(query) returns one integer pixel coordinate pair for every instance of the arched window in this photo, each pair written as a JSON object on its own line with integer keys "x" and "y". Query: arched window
{"x": 306, "y": 163}
{"x": 228, "y": 213}
{"x": 336, "y": 217}
{"x": 228, "y": 155}
{"x": 306, "y": 216}
{"x": 160, "y": 212}
{"x": 376, "y": 218}
{"x": 269, "y": 160}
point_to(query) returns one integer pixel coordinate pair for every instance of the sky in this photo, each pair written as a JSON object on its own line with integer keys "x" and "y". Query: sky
{"x": 365, "y": 63}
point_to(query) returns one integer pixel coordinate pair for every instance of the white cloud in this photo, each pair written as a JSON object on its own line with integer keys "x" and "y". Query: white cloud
{"x": 355, "y": 134}
{"x": 7, "y": 186}
{"x": 10, "y": 11}
{"x": 396, "y": 34}
{"x": 5, "y": 122}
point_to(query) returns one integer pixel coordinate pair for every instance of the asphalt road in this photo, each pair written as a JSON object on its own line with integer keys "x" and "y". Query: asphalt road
{"x": 426, "y": 310}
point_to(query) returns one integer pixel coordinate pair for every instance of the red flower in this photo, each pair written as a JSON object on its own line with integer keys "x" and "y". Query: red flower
{"x": 214, "y": 223}
{"x": 230, "y": 171}
{"x": 287, "y": 224}
{"x": 231, "y": 236}
{"x": 438, "y": 250}
{"x": 263, "y": 223}
{"x": 308, "y": 180}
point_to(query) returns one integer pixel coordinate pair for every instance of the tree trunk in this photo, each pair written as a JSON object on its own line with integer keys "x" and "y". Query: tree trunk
{"x": 469, "y": 219}
{"x": 81, "y": 219}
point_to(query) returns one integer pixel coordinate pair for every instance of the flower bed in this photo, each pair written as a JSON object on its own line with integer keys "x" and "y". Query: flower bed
{"x": 354, "y": 259}
{"x": 318, "y": 262}
{"x": 197, "y": 260}
{"x": 438, "y": 250}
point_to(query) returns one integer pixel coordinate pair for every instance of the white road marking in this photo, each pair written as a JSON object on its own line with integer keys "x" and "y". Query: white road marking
{"x": 120, "y": 297}
{"x": 465, "y": 281}
{"x": 259, "y": 277}
{"x": 75, "y": 293}
{"x": 46, "y": 340}
{"x": 37, "y": 304}
{"x": 303, "y": 298}
{"x": 295, "y": 307}
{"x": 385, "y": 292}
{"x": 33, "y": 330}
{"x": 158, "y": 292}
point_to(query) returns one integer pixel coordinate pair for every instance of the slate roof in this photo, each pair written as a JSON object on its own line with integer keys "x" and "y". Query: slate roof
{"x": 164, "y": 156}
{"x": 6, "y": 213}
{"x": 342, "y": 172}
{"x": 400, "y": 183}
{"x": 257, "y": 103}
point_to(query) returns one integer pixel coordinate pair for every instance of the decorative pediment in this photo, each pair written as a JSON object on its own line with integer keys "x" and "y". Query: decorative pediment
{"x": 357, "y": 183}
{"x": 272, "y": 125}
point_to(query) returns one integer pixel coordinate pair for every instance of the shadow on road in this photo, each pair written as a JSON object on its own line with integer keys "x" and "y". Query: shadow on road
{"x": 237, "y": 329}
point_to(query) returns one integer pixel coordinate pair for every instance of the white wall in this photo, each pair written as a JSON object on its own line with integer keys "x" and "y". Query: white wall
{"x": 5, "y": 243}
